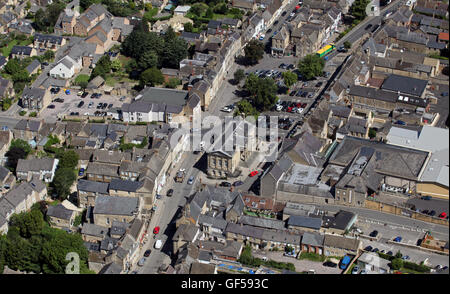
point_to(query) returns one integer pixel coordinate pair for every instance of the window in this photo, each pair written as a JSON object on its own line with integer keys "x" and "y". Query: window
{"x": 107, "y": 220}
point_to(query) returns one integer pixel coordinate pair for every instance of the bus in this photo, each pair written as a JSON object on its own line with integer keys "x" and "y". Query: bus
{"x": 325, "y": 50}
{"x": 344, "y": 262}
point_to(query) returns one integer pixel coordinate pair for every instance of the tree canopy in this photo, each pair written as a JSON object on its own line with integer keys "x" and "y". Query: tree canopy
{"x": 311, "y": 66}
{"x": 290, "y": 78}
{"x": 262, "y": 91}
{"x": 152, "y": 77}
{"x": 63, "y": 180}
{"x": 254, "y": 51}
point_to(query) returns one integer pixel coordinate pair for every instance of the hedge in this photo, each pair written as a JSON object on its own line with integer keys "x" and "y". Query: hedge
{"x": 416, "y": 267}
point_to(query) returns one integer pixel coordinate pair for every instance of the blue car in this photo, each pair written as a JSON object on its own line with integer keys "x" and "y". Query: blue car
{"x": 400, "y": 122}
{"x": 398, "y": 239}
{"x": 81, "y": 172}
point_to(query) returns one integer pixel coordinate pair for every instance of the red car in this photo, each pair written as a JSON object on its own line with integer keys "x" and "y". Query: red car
{"x": 289, "y": 109}
{"x": 253, "y": 173}
{"x": 443, "y": 215}
{"x": 156, "y": 230}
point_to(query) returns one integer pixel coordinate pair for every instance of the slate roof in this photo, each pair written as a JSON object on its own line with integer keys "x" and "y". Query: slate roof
{"x": 341, "y": 242}
{"x": 92, "y": 186}
{"x": 125, "y": 185}
{"x": 305, "y": 222}
{"x": 36, "y": 164}
{"x": 116, "y": 205}
{"x": 405, "y": 85}
{"x": 262, "y": 222}
{"x": 94, "y": 230}
{"x": 59, "y": 211}
{"x": 21, "y": 50}
{"x": 312, "y": 239}
{"x": 32, "y": 66}
{"x": 25, "y": 124}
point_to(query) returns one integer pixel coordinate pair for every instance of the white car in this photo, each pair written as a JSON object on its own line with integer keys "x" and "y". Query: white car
{"x": 300, "y": 110}
{"x": 279, "y": 107}
{"x": 80, "y": 93}
{"x": 292, "y": 14}
{"x": 226, "y": 109}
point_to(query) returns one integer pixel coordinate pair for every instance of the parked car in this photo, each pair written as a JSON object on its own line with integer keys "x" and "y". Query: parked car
{"x": 375, "y": 250}
{"x": 355, "y": 270}
{"x": 363, "y": 272}
{"x": 432, "y": 213}
{"x": 80, "y": 104}
{"x": 374, "y": 234}
{"x": 81, "y": 172}
{"x": 238, "y": 183}
{"x": 426, "y": 197}
{"x": 390, "y": 253}
{"x": 190, "y": 180}
{"x": 253, "y": 173}
{"x": 398, "y": 239}
{"x": 368, "y": 27}
{"x": 84, "y": 95}
{"x": 51, "y": 106}
{"x": 169, "y": 192}
{"x": 225, "y": 184}
{"x": 147, "y": 253}
{"x": 400, "y": 122}
{"x": 405, "y": 257}
{"x": 90, "y": 104}
{"x": 329, "y": 264}
{"x": 368, "y": 248}
{"x": 444, "y": 94}
{"x": 141, "y": 261}
{"x": 156, "y": 230}
{"x": 443, "y": 215}
{"x": 226, "y": 109}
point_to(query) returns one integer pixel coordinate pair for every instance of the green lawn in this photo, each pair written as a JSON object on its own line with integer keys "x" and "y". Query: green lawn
{"x": 312, "y": 256}
{"x": 7, "y": 49}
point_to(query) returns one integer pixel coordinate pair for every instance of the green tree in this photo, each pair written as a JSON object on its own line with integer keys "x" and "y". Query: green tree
{"x": 290, "y": 78}
{"x": 102, "y": 68}
{"x": 262, "y": 90}
{"x": 188, "y": 27}
{"x": 372, "y": 133}
{"x": 347, "y": 45}
{"x": 21, "y": 76}
{"x": 358, "y": 9}
{"x": 63, "y": 180}
{"x": 49, "y": 55}
{"x": 147, "y": 60}
{"x": 396, "y": 263}
{"x": 19, "y": 143}
{"x": 246, "y": 108}
{"x": 152, "y": 77}
{"x": 254, "y": 51}
{"x": 28, "y": 223}
{"x": 173, "y": 83}
{"x": 12, "y": 66}
{"x": 398, "y": 254}
{"x": 209, "y": 13}
{"x": 239, "y": 75}
{"x": 116, "y": 65}
{"x": 176, "y": 50}
{"x": 69, "y": 159}
{"x": 311, "y": 66}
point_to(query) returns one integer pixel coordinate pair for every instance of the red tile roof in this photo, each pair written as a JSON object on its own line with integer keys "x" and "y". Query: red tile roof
{"x": 443, "y": 36}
